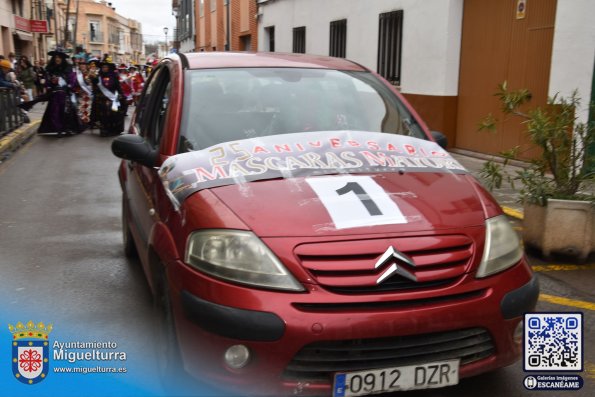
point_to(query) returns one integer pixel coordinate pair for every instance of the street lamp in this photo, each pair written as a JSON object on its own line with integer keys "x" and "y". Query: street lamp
{"x": 165, "y": 29}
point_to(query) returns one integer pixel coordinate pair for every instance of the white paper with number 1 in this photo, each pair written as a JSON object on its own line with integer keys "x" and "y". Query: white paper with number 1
{"x": 355, "y": 201}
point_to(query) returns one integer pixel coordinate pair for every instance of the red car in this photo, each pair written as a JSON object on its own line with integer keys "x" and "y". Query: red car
{"x": 304, "y": 233}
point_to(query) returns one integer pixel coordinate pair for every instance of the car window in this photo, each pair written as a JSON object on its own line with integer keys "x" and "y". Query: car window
{"x": 156, "y": 110}
{"x": 141, "y": 113}
{"x": 222, "y": 105}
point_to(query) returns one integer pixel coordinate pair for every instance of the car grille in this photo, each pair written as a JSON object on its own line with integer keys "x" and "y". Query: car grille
{"x": 320, "y": 360}
{"x": 347, "y": 267}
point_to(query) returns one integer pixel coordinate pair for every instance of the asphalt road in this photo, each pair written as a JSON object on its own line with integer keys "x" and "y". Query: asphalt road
{"x": 61, "y": 253}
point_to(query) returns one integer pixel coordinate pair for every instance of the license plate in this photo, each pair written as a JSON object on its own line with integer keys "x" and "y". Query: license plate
{"x": 410, "y": 377}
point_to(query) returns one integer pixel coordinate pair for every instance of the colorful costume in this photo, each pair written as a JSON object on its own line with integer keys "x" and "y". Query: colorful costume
{"x": 125, "y": 83}
{"x": 136, "y": 83}
{"x": 61, "y": 114}
{"x": 111, "y": 104}
{"x": 83, "y": 88}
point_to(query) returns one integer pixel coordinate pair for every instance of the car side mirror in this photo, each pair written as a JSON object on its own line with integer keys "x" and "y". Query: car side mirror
{"x": 440, "y": 138}
{"x": 135, "y": 148}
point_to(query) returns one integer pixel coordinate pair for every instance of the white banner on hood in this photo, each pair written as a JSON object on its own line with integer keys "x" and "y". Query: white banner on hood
{"x": 301, "y": 155}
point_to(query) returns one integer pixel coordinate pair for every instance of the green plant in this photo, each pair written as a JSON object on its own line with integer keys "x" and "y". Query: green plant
{"x": 562, "y": 170}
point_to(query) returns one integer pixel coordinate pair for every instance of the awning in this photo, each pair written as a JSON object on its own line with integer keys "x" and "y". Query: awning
{"x": 25, "y": 36}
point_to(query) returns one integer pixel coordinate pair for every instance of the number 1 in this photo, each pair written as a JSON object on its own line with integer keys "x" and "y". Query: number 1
{"x": 361, "y": 195}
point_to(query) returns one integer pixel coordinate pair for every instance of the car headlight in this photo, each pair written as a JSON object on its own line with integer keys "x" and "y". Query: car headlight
{"x": 502, "y": 247}
{"x": 240, "y": 257}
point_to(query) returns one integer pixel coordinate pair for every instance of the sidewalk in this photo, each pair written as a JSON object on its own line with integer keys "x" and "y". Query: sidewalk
{"x": 10, "y": 142}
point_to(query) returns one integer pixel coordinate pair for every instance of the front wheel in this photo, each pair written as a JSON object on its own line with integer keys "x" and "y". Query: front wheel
{"x": 168, "y": 353}
{"x": 127, "y": 239}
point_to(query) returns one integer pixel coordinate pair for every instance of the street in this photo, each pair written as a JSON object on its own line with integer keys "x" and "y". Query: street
{"x": 61, "y": 253}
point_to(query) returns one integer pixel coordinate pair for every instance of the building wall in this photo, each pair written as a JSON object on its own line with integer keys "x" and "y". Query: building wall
{"x": 112, "y": 27}
{"x": 212, "y": 27}
{"x": 12, "y": 39}
{"x": 6, "y": 27}
{"x": 244, "y": 25}
{"x": 431, "y": 35}
{"x": 186, "y": 25}
{"x": 430, "y": 47}
{"x": 574, "y": 51}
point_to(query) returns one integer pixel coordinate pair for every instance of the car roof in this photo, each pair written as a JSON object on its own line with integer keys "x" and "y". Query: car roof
{"x": 212, "y": 60}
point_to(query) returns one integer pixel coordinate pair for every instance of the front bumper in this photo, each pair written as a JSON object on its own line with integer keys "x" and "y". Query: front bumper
{"x": 212, "y": 316}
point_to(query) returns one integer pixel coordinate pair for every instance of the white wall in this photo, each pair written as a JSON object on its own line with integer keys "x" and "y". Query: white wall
{"x": 431, "y": 35}
{"x": 573, "y": 51}
{"x": 187, "y": 45}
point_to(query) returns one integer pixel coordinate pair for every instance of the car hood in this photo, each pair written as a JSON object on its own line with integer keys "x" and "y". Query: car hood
{"x": 400, "y": 202}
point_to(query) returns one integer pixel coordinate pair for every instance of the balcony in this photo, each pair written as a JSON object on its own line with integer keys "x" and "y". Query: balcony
{"x": 95, "y": 37}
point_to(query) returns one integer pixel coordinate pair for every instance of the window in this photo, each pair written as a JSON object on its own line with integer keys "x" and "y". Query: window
{"x": 213, "y": 5}
{"x": 95, "y": 32}
{"x": 269, "y": 34}
{"x": 201, "y": 8}
{"x": 299, "y": 40}
{"x": 225, "y": 105}
{"x": 338, "y": 38}
{"x": 154, "y": 106}
{"x": 389, "y": 46}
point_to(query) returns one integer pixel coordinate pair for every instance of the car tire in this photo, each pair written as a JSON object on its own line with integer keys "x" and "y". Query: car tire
{"x": 128, "y": 241}
{"x": 168, "y": 353}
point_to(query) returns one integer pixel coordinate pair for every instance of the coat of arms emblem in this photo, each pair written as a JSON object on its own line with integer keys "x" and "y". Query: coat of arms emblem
{"x": 30, "y": 351}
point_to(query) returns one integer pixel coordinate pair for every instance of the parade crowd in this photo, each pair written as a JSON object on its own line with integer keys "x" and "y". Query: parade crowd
{"x": 81, "y": 93}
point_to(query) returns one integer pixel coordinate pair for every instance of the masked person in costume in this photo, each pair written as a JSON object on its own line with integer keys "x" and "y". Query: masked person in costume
{"x": 136, "y": 83}
{"x": 83, "y": 88}
{"x": 93, "y": 69}
{"x": 125, "y": 83}
{"x": 61, "y": 114}
{"x": 111, "y": 103}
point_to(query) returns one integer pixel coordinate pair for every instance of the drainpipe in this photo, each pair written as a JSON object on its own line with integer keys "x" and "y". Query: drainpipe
{"x": 76, "y": 22}
{"x": 66, "y": 25}
{"x": 56, "y": 29}
{"x": 228, "y": 2}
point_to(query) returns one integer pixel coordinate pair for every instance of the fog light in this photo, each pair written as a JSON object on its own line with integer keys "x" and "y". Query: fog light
{"x": 517, "y": 336}
{"x": 237, "y": 356}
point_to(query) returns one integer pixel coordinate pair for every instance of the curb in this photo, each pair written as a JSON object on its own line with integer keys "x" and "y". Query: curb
{"x": 11, "y": 141}
{"x": 513, "y": 213}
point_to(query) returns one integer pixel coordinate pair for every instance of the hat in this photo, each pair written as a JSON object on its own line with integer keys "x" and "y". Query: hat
{"x": 5, "y": 63}
{"x": 59, "y": 51}
{"x": 122, "y": 67}
{"x": 132, "y": 67}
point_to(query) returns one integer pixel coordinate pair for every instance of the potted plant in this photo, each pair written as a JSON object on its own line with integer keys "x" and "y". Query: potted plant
{"x": 559, "y": 213}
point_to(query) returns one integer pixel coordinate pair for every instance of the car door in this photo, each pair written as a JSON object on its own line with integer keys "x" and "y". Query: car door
{"x": 143, "y": 183}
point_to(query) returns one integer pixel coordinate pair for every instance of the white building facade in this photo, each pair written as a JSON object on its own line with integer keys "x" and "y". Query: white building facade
{"x": 447, "y": 56}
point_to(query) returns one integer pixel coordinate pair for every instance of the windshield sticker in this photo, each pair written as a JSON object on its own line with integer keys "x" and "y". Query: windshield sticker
{"x": 301, "y": 155}
{"x": 355, "y": 201}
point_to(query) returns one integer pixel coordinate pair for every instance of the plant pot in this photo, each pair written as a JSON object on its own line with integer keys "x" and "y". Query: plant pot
{"x": 562, "y": 227}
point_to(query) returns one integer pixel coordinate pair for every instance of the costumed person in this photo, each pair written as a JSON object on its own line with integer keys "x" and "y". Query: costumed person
{"x": 125, "y": 83}
{"x": 83, "y": 88}
{"x": 111, "y": 103}
{"x": 136, "y": 83}
{"x": 93, "y": 66}
{"x": 60, "y": 114}
{"x": 26, "y": 75}
{"x": 5, "y": 68}
{"x": 39, "y": 78}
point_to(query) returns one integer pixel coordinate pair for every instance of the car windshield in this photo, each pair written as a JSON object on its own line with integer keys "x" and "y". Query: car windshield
{"x": 223, "y": 105}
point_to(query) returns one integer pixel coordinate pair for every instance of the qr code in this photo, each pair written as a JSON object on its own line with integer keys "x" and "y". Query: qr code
{"x": 553, "y": 342}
